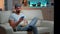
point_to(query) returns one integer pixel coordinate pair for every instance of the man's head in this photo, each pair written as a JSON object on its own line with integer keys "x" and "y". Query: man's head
{"x": 18, "y": 7}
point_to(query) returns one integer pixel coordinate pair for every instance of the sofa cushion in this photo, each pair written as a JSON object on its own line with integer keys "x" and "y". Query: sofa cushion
{"x": 4, "y": 16}
{"x": 20, "y": 32}
{"x": 46, "y": 23}
{"x": 30, "y": 14}
{"x": 43, "y": 29}
{"x": 49, "y": 24}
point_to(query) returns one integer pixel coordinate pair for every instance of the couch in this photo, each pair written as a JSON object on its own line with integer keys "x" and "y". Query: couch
{"x": 43, "y": 26}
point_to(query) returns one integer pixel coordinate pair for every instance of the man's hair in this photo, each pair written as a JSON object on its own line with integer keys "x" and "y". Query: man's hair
{"x": 17, "y": 5}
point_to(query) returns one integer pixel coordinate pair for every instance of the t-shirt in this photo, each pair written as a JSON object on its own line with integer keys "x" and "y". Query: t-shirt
{"x": 16, "y": 17}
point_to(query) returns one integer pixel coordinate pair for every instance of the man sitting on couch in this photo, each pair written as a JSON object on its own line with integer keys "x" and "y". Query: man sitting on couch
{"x": 18, "y": 17}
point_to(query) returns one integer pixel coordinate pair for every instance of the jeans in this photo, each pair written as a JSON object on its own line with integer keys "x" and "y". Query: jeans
{"x": 29, "y": 27}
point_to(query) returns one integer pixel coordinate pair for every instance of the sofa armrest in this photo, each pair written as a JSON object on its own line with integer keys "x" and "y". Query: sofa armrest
{"x": 7, "y": 28}
{"x": 46, "y": 23}
{"x": 49, "y": 24}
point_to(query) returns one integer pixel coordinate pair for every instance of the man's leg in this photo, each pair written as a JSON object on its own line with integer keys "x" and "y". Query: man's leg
{"x": 30, "y": 26}
{"x": 34, "y": 21}
{"x": 34, "y": 29}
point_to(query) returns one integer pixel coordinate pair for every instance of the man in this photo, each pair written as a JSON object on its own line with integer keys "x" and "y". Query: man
{"x": 17, "y": 17}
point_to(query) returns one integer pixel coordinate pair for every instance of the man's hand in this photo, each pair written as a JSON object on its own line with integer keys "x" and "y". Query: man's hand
{"x": 21, "y": 19}
{"x": 25, "y": 22}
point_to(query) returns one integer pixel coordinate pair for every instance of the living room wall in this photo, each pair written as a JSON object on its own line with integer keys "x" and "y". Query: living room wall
{"x": 48, "y": 13}
{"x": 2, "y": 4}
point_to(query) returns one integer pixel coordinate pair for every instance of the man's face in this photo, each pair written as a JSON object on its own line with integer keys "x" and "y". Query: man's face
{"x": 18, "y": 9}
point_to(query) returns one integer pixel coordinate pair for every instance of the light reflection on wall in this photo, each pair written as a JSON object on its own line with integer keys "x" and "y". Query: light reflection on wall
{"x": 32, "y": 3}
{"x": 43, "y": 2}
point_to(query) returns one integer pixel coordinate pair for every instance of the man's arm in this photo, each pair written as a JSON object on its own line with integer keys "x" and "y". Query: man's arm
{"x": 13, "y": 24}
